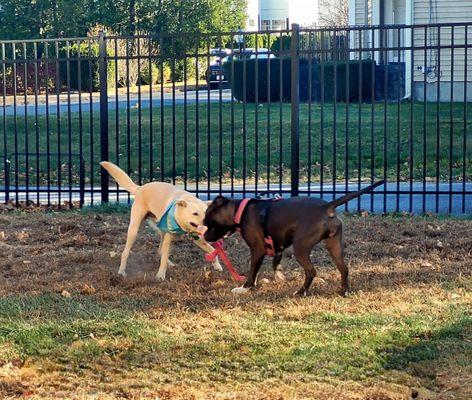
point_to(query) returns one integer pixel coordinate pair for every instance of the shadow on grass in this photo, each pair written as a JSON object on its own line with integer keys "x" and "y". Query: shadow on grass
{"x": 450, "y": 344}
{"x": 85, "y": 333}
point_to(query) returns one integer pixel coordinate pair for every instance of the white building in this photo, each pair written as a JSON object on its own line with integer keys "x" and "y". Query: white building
{"x": 438, "y": 63}
{"x": 276, "y": 14}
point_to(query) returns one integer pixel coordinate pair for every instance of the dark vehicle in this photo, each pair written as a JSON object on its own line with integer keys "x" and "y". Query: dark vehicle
{"x": 215, "y": 72}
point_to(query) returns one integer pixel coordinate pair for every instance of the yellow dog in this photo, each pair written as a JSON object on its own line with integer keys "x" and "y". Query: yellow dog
{"x": 172, "y": 210}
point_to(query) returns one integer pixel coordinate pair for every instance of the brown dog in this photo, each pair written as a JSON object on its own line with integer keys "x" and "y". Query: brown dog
{"x": 269, "y": 227}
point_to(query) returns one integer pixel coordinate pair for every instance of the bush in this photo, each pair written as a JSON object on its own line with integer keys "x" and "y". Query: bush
{"x": 284, "y": 40}
{"x": 88, "y": 81}
{"x": 354, "y": 68}
{"x": 183, "y": 68}
{"x": 327, "y": 69}
{"x": 17, "y": 84}
{"x": 156, "y": 74}
{"x": 86, "y": 50}
{"x": 246, "y": 91}
{"x": 150, "y": 77}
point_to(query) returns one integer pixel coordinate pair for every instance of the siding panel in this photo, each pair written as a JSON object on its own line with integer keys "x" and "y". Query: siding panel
{"x": 445, "y": 11}
{"x": 359, "y": 39}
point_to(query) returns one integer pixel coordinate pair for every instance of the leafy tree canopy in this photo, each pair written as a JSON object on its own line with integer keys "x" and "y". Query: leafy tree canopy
{"x": 22, "y": 19}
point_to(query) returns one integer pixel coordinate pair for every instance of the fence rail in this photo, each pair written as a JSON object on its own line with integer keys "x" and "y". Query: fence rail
{"x": 319, "y": 112}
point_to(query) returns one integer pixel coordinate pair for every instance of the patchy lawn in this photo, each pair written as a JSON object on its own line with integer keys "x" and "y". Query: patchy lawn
{"x": 70, "y": 328}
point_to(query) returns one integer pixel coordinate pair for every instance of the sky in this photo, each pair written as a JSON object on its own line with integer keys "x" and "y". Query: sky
{"x": 303, "y": 11}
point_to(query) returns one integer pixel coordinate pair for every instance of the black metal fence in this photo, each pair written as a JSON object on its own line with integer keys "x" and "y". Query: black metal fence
{"x": 301, "y": 111}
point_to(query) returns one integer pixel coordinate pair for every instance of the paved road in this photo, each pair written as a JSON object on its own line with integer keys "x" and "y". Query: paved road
{"x": 167, "y": 100}
{"x": 457, "y": 200}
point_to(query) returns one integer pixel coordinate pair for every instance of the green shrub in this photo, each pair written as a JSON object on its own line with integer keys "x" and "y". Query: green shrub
{"x": 155, "y": 73}
{"x": 178, "y": 74}
{"x": 244, "y": 88}
{"x": 150, "y": 76}
{"x": 166, "y": 73}
{"x": 354, "y": 68}
{"x": 254, "y": 40}
{"x": 284, "y": 40}
{"x": 89, "y": 67}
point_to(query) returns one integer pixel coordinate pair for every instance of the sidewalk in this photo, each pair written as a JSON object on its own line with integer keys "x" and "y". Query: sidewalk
{"x": 377, "y": 198}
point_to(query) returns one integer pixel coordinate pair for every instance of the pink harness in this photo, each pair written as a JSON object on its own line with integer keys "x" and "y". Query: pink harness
{"x": 268, "y": 241}
{"x": 219, "y": 251}
{"x": 239, "y": 212}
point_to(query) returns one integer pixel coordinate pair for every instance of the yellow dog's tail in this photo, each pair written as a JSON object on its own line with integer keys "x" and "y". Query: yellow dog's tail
{"x": 120, "y": 176}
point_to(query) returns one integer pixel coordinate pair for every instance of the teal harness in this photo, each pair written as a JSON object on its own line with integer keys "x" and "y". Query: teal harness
{"x": 168, "y": 222}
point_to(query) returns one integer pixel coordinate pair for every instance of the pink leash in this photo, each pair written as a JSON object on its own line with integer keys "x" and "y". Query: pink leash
{"x": 219, "y": 251}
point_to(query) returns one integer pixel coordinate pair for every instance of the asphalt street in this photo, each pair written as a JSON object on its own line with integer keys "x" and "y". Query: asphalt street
{"x": 122, "y": 103}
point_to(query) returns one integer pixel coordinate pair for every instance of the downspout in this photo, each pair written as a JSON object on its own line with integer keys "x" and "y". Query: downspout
{"x": 352, "y": 22}
{"x": 382, "y": 43}
{"x": 408, "y": 53}
{"x": 376, "y": 32}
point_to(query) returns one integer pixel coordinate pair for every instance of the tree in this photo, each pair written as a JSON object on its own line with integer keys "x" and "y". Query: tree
{"x": 26, "y": 19}
{"x": 334, "y": 12}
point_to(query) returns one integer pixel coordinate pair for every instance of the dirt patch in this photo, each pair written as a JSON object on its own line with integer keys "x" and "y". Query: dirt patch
{"x": 44, "y": 252}
{"x": 70, "y": 253}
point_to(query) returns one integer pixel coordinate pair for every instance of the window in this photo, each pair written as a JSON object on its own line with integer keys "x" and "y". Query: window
{"x": 278, "y": 24}
{"x": 265, "y": 24}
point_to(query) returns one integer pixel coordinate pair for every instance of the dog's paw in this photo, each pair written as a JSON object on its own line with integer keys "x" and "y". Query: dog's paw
{"x": 161, "y": 277}
{"x": 240, "y": 290}
{"x": 122, "y": 273}
{"x": 217, "y": 266}
{"x": 301, "y": 292}
{"x": 344, "y": 293}
{"x": 279, "y": 275}
{"x": 170, "y": 264}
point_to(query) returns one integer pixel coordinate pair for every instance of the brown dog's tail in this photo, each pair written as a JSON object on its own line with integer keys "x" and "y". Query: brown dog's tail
{"x": 120, "y": 176}
{"x": 344, "y": 199}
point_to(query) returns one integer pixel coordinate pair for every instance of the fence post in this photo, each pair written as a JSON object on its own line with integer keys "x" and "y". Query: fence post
{"x": 7, "y": 180}
{"x": 102, "y": 71}
{"x": 295, "y": 104}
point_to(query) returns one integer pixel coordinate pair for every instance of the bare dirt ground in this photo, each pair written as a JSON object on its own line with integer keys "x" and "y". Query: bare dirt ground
{"x": 393, "y": 261}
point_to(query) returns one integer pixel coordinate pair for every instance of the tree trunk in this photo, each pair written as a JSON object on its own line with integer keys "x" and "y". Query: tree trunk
{"x": 132, "y": 16}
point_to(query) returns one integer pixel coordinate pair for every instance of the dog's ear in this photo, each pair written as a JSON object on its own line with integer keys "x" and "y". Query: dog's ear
{"x": 181, "y": 203}
{"x": 220, "y": 200}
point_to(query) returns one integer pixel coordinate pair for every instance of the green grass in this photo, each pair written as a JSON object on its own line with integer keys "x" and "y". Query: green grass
{"x": 250, "y": 345}
{"x": 406, "y": 325}
{"x": 105, "y": 208}
{"x": 390, "y": 135}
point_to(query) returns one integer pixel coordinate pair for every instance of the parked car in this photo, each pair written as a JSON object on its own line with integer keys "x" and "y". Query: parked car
{"x": 251, "y": 53}
{"x": 215, "y": 72}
